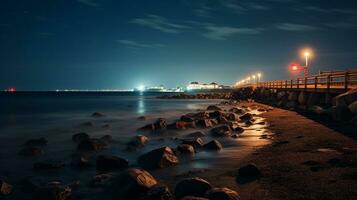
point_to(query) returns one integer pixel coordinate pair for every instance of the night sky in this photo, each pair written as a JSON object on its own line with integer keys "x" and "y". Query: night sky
{"x": 120, "y": 44}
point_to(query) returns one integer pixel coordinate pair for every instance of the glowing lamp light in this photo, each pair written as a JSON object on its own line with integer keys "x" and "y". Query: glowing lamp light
{"x": 259, "y": 75}
{"x": 141, "y": 88}
{"x": 12, "y": 90}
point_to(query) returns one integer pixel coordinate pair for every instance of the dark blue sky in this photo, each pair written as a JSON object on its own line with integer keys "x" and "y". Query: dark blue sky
{"x": 119, "y": 44}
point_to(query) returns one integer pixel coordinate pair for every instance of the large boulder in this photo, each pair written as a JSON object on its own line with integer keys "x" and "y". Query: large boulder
{"x": 217, "y": 114}
{"x": 110, "y": 162}
{"x": 91, "y": 145}
{"x": 195, "y": 142}
{"x": 221, "y": 131}
{"x": 5, "y": 188}
{"x": 133, "y": 183}
{"x": 346, "y": 98}
{"x": 246, "y": 117}
{"x": 314, "y": 99}
{"x": 353, "y": 108}
{"x": 53, "y": 191}
{"x": 302, "y": 99}
{"x": 248, "y": 173}
{"x": 158, "y": 158}
{"x": 78, "y": 137}
{"x": 186, "y": 149}
{"x": 293, "y": 96}
{"x": 213, "y": 107}
{"x": 192, "y": 187}
{"x": 339, "y": 113}
{"x": 281, "y": 95}
{"x": 213, "y": 145}
{"x": 222, "y": 194}
{"x": 138, "y": 141}
{"x": 157, "y": 192}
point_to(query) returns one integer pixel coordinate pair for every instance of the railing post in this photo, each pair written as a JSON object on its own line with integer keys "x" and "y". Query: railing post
{"x": 346, "y": 80}
{"x": 297, "y": 83}
{"x": 291, "y": 83}
{"x": 286, "y": 83}
{"x": 328, "y": 82}
{"x": 305, "y": 82}
{"x": 316, "y": 80}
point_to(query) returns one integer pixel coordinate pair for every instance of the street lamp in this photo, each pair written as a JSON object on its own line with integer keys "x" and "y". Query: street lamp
{"x": 253, "y": 77}
{"x": 259, "y": 75}
{"x": 307, "y": 54}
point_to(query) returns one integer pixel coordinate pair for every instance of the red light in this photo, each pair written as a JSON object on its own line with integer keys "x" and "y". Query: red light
{"x": 12, "y": 90}
{"x": 294, "y": 68}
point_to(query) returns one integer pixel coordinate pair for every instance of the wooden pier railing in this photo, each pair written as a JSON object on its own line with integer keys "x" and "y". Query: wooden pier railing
{"x": 333, "y": 80}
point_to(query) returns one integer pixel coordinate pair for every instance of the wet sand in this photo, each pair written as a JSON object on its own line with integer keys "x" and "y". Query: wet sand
{"x": 305, "y": 160}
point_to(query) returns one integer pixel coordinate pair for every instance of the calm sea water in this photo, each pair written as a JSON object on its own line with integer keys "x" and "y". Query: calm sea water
{"x": 57, "y": 116}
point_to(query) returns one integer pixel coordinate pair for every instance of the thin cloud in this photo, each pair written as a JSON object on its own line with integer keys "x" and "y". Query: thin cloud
{"x": 92, "y": 3}
{"x": 329, "y": 10}
{"x": 296, "y": 27}
{"x": 346, "y": 24}
{"x": 159, "y": 23}
{"x": 223, "y": 32}
{"x": 134, "y": 44}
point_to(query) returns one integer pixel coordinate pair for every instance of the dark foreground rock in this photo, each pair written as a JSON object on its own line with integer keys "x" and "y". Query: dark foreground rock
{"x": 101, "y": 180}
{"x": 186, "y": 149}
{"x": 110, "y": 162}
{"x": 246, "y": 117}
{"x": 158, "y": 158}
{"x": 196, "y": 134}
{"x": 53, "y": 191}
{"x": 36, "y": 142}
{"x": 91, "y": 145}
{"x": 31, "y": 151}
{"x": 248, "y": 173}
{"x": 213, "y": 145}
{"x": 79, "y": 137}
{"x": 5, "y": 188}
{"x": 79, "y": 161}
{"x": 133, "y": 183}
{"x": 138, "y": 141}
{"x": 221, "y": 131}
{"x": 195, "y": 142}
{"x": 48, "y": 165}
{"x": 192, "y": 187}
{"x": 222, "y": 194}
{"x": 158, "y": 192}
{"x": 159, "y": 125}
{"x": 213, "y": 107}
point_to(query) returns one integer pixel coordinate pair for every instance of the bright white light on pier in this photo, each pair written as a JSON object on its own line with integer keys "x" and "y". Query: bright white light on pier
{"x": 259, "y": 75}
{"x": 141, "y": 88}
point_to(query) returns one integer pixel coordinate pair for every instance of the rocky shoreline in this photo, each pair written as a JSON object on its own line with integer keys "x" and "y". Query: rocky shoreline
{"x": 125, "y": 180}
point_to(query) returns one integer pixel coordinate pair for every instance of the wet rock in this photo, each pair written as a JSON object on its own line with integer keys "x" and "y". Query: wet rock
{"x": 353, "y": 108}
{"x": 158, "y": 158}
{"x": 101, "y": 180}
{"x": 216, "y": 114}
{"x": 213, "y": 107}
{"x": 213, "y": 145}
{"x": 157, "y": 192}
{"x": 222, "y": 194}
{"x": 248, "y": 122}
{"x": 5, "y": 188}
{"x": 346, "y": 98}
{"x": 339, "y": 113}
{"x": 303, "y": 97}
{"x": 182, "y": 125}
{"x": 193, "y": 198}
{"x": 248, "y": 173}
{"x": 221, "y": 131}
{"x": 31, "y": 151}
{"x": 159, "y": 125}
{"x": 138, "y": 141}
{"x": 204, "y": 123}
{"x": 246, "y": 117}
{"x": 78, "y": 137}
{"x": 199, "y": 115}
{"x": 53, "y": 191}
{"x": 222, "y": 120}
{"x": 107, "y": 139}
{"x": 196, "y": 142}
{"x": 293, "y": 96}
{"x": 133, "y": 183}
{"x": 98, "y": 114}
{"x": 192, "y": 187}
{"x": 110, "y": 163}
{"x": 196, "y": 134}
{"x": 48, "y": 165}
{"x": 214, "y": 122}
{"x": 317, "y": 110}
{"x": 79, "y": 161}
{"x": 233, "y": 117}
{"x": 88, "y": 124}
{"x": 186, "y": 118}
{"x": 235, "y": 136}
{"x": 36, "y": 142}
{"x": 236, "y": 110}
{"x": 235, "y": 127}
{"x": 186, "y": 149}
{"x": 91, "y": 145}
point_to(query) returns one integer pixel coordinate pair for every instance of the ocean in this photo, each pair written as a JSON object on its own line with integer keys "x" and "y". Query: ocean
{"x": 57, "y": 116}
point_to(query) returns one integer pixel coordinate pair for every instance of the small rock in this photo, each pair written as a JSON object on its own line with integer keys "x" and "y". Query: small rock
{"x": 31, "y": 151}
{"x": 138, "y": 141}
{"x": 192, "y": 187}
{"x": 185, "y": 118}
{"x": 98, "y": 114}
{"x": 221, "y": 131}
{"x": 109, "y": 162}
{"x": 79, "y": 161}
{"x": 186, "y": 149}
{"x": 157, "y": 192}
{"x": 233, "y": 117}
{"x": 78, "y": 137}
{"x": 196, "y": 142}
{"x": 246, "y": 117}
{"x": 213, "y": 145}
{"x": 101, "y": 180}
{"x": 248, "y": 173}
{"x": 36, "y": 142}
{"x": 133, "y": 183}
{"x": 222, "y": 194}
{"x": 204, "y": 123}
{"x": 91, "y": 145}
{"x": 5, "y": 188}
{"x": 158, "y": 158}
{"x": 213, "y": 107}
{"x": 196, "y": 134}
{"x": 236, "y": 110}
{"x": 216, "y": 114}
